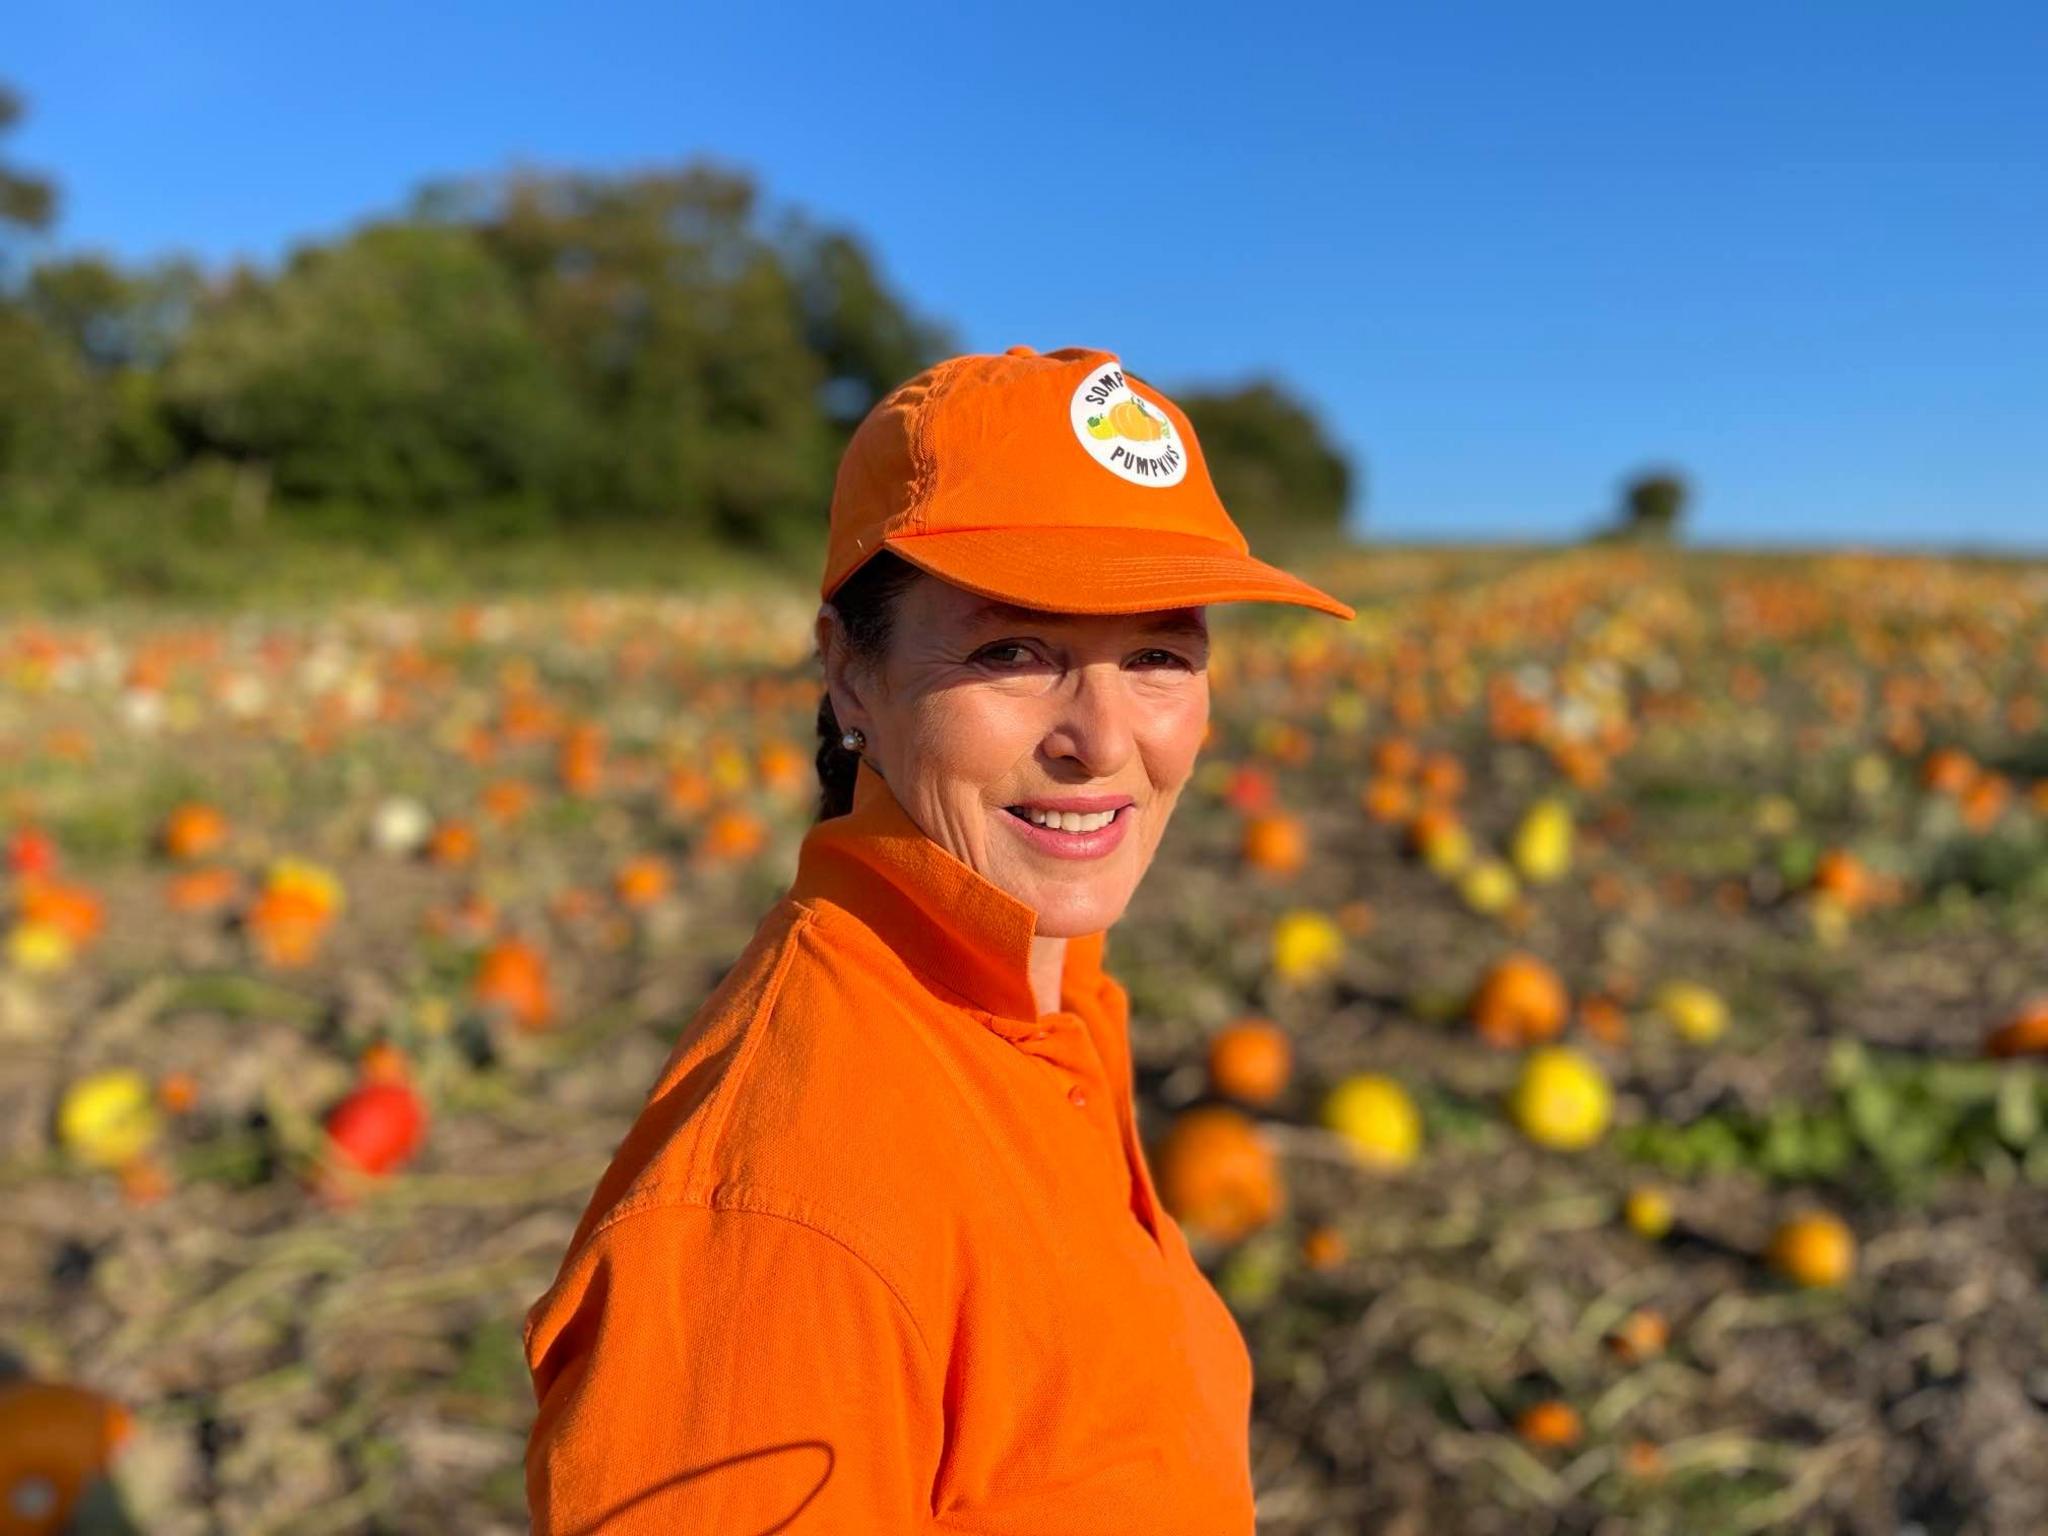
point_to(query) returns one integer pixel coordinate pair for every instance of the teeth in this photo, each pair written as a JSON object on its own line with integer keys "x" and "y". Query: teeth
{"x": 1068, "y": 821}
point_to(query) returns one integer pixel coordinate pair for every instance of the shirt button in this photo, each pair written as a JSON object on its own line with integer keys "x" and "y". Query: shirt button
{"x": 1076, "y": 1096}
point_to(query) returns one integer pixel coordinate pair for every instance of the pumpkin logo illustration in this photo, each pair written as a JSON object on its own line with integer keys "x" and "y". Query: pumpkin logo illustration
{"x": 1124, "y": 432}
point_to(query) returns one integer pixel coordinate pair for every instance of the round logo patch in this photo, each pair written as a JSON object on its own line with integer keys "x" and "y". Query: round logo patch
{"x": 1126, "y": 432}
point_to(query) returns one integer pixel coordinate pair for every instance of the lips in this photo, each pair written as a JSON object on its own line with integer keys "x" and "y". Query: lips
{"x": 1066, "y": 818}
{"x": 1091, "y": 844}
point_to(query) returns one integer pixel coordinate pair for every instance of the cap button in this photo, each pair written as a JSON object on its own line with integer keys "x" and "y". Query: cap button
{"x": 1020, "y": 351}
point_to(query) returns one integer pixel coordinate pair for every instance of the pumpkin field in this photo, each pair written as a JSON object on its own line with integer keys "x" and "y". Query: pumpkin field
{"x": 1589, "y": 1016}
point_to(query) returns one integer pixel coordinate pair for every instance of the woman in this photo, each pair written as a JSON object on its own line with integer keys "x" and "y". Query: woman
{"x": 882, "y": 1252}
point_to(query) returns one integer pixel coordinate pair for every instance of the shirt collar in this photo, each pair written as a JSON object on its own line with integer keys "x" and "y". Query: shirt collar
{"x": 959, "y": 931}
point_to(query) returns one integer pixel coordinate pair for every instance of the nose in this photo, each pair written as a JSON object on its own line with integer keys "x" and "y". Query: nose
{"x": 1093, "y": 726}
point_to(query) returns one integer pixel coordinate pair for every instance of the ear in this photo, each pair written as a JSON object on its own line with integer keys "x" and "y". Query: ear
{"x": 844, "y": 676}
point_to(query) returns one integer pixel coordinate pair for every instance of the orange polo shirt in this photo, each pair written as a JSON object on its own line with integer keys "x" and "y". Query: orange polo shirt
{"x": 882, "y": 1252}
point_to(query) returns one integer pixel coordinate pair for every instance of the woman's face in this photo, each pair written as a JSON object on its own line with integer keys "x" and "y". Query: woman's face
{"x": 983, "y": 709}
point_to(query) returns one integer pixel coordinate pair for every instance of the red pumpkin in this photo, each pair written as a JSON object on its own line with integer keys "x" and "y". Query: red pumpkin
{"x": 31, "y": 851}
{"x": 378, "y": 1127}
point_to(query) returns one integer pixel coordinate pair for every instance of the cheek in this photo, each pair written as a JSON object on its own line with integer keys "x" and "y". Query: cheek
{"x": 1172, "y": 733}
{"x": 976, "y": 735}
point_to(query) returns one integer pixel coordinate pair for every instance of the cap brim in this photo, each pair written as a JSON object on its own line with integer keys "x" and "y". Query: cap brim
{"x": 1105, "y": 570}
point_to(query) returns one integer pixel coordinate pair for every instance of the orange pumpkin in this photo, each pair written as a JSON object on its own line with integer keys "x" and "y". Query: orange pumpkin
{"x": 193, "y": 830}
{"x": 506, "y": 800}
{"x": 513, "y": 977}
{"x": 71, "y": 909}
{"x": 1250, "y": 1060}
{"x": 733, "y": 835}
{"x": 1948, "y": 771}
{"x": 1519, "y": 1001}
{"x": 580, "y": 762}
{"x": 1217, "y": 1175}
{"x": 642, "y": 881}
{"x": 55, "y": 1440}
{"x": 1275, "y": 843}
{"x": 286, "y": 924}
{"x": 1323, "y": 1247}
{"x": 1552, "y": 1424}
{"x": 1395, "y": 757}
{"x": 1984, "y": 800}
{"x": 1840, "y": 874}
{"x": 1441, "y": 777}
{"x": 452, "y": 842}
{"x": 2025, "y": 1034}
{"x": 1388, "y": 800}
{"x": 1640, "y": 1336}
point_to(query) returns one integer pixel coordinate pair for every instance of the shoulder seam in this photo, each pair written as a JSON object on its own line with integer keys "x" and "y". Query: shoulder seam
{"x": 749, "y": 1202}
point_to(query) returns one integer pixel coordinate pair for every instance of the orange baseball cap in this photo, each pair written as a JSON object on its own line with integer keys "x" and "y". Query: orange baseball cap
{"x": 1054, "y": 480}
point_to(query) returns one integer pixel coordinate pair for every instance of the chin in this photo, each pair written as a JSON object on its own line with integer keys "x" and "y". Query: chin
{"x": 1070, "y": 914}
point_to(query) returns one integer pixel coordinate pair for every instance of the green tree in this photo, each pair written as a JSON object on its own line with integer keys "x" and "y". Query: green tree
{"x": 677, "y": 328}
{"x": 28, "y": 203}
{"x": 123, "y": 326}
{"x": 48, "y": 416}
{"x": 1653, "y": 505}
{"x": 1286, "y": 485}
{"x": 867, "y": 340}
{"x": 49, "y": 411}
{"x": 396, "y": 371}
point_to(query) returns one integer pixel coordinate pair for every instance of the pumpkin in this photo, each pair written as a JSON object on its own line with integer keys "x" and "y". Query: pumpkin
{"x": 2025, "y": 1034}
{"x": 1948, "y": 771}
{"x": 1519, "y": 1001}
{"x": 1133, "y": 421}
{"x": 1323, "y": 1247}
{"x": 1640, "y": 1336}
{"x": 641, "y": 881}
{"x": 1812, "y": 1249}
{"x": 452, "y": 842}
{"x": 1216, "y": 1174}
{"x": 55, "y": 1440}
{"x": 513, "y": 978}
{"x": 378, "y": 1127}
{"x": 1250, "y": 1060}
{"x": 1274, "y": 843}
{"x": 1552, "y": 1423}
{"x": 193, "y": 830}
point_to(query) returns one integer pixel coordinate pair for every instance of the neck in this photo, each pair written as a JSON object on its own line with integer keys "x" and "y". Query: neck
{"x": 1048, "y": 962}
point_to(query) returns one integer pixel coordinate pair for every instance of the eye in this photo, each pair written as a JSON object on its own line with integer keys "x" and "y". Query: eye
{"x": 1170, "y": 658}
{"x": 1004, "y": 655}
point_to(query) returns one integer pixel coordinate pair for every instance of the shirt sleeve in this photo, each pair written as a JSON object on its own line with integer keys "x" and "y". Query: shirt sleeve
{"x": 702, "y": 1369}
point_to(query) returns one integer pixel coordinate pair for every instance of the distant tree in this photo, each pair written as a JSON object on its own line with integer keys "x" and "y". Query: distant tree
{"x": 48, "y": 424}
{"x": 28, "y": 203}
{"x": 122, "y": 326}
{"x": 396, "y": 370}
{"x": 1284, "y": 482}
{"x": 867, "y": 340}
{"x": 114, "y": 318}
{"x": 680, "y": 330}
{"x": 49, "y": 411}
{"x": 1653, "y": 504}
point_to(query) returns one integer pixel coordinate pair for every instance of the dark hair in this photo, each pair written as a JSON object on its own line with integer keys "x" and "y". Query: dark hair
{"x": 866, "y": 603}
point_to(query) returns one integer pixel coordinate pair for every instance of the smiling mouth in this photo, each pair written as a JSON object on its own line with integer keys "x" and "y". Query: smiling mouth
{"x": 1066, "y": 821}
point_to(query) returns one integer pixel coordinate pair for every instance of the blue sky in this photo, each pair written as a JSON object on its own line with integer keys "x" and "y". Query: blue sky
{"x": 1510, "y": 251}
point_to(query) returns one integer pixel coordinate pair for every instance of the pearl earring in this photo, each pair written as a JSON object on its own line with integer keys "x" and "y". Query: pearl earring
{"x": 852, "y": 739}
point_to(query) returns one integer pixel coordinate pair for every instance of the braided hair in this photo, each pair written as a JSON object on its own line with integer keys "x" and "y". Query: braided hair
{"x": 866, "y": 604}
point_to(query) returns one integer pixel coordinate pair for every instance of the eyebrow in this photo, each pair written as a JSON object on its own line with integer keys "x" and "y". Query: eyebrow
{"x": 1170, "y": 621}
